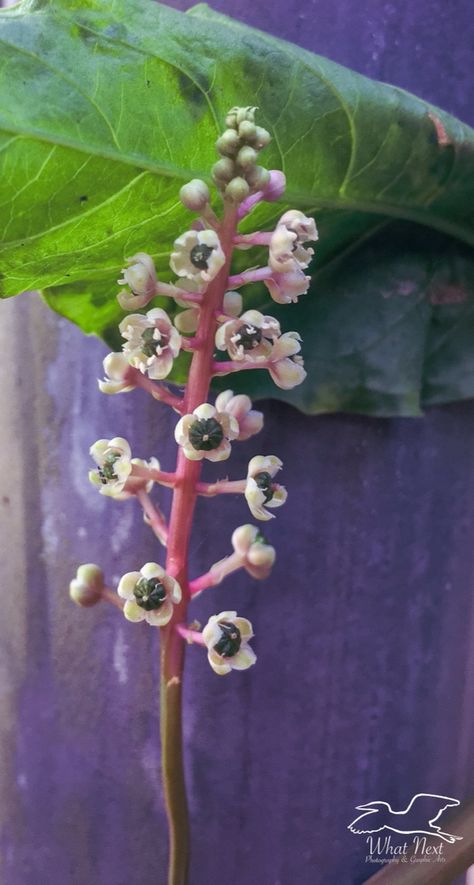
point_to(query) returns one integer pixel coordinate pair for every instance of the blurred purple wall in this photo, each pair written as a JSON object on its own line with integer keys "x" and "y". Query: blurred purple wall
{"x": 364, "y": 685}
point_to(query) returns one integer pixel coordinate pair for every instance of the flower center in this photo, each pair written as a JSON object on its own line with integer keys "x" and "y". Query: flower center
{"x": 230, "y": 641}
{"x": 149, "y": 593}
{"x": 264, "y": 482}
{"x": 107, "y": 472}
{"x": 150, "y": 343}
{"x": 200, "y": 255}
{"x": 206, "y": 434}
{"x": 249, "y": 336}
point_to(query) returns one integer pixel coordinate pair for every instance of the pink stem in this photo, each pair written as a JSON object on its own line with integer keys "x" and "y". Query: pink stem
{"x": 193, "y": 636}
{"x": 258, "y": 238}
{"x": 217, "y": 573}
{"x": 161, "y": 476}
{"x": 227, "y": 367}
{"x": 111, "y": 597}
{"x": 182, "y": 509}
{"x": 222, "y": 487}
{"x": 154, "y": 514}
{"x": 249, "y": 276}
{"x": 247, "y": 205}
{"x": 190, "y": 343}
{"x": 158, "y": 391}
{"x": 170, "y": 291}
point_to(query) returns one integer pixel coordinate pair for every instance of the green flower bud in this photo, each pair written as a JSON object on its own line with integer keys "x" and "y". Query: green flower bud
{"x": 245, "y": 115}
{"x": 231, "y": 118}
{"x": 247, "y": 130}
{"x": 262, "y": 138}
{"x": 258, "y": 178}
{"x": 247, "y": 157}
{"x": 86, "y": 588}
{"x": 228, "y": 144}
{"x": 195, "y": 195}
{"x": 237, "y": 190}
{"x": 223, "y": 171}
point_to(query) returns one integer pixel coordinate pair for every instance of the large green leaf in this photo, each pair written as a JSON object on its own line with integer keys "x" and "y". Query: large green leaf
{"x": 106, "y": 108}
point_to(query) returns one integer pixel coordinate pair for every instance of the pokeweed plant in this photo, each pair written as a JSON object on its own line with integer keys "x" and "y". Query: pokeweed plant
{"x": 212, "y": 318}
{"x": 107, "y": 110}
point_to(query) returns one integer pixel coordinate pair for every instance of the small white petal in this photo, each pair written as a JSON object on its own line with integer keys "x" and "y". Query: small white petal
{"x": 204, "y": 411}
{"x": 218, "y": 664}
{"x": 244, "y": 658}
{"x": 133, "y": 612}
{"x": 245, "y": 628}
{"x": 152, "y": 570}
{"x": 160, "y": 616}
{"x": 127, "y": 584}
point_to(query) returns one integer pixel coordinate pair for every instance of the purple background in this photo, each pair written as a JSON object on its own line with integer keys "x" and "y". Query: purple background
{"x": 364, "y": 685}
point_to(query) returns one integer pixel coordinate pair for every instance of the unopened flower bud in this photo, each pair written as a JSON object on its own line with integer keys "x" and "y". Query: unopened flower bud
{"x": 231, "y": 118}
{"x": 275, "y": 187}
{"x": 86, "y": 588}
{"x": 228, "y": 143}
{"x": 223, "y": 171}
{"x": 232, "y": 304}
{"x": 237, "y": 190}
{"x": 247, "y": 130}
{"x": 247, "y": 157}
{"x": 246, "y": 114}
{"x": 258, "y": 178}
{"x": 262, "y": 138}
{"x": 195, "y": 195}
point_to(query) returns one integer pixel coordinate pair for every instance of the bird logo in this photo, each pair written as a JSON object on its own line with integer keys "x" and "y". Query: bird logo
{"x": 419, "y": 816}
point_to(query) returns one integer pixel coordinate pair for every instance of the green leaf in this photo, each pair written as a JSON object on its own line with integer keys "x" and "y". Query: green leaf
{"x": 107, "y": 108}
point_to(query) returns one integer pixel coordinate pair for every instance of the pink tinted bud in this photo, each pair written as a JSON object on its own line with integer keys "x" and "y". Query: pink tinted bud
{"x": 275, "y": 187}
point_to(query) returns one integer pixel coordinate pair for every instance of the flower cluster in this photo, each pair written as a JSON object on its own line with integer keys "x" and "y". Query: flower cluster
{"x": 209, "y": 311}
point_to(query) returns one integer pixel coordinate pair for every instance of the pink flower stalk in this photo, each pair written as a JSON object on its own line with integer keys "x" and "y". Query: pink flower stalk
{"x": 201, "y": 259}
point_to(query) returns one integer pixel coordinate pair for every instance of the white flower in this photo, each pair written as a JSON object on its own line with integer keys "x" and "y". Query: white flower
{"x": 287, "y": 251}
{"x": 152, "y": 342}
{"x": 198, "y": 255}
{"x": 240, "y": 406}
{"x": 150, "y": 595}
{"x": 249, "y": 337}
{"x": 206, "y": 433}
{"x": 227, "y": 637}
{"x": 248, "y": 541}
{"x": 260, "y": 489}
{"x": 188, "y": 320}
{"x": 287, "y": 287}
{"x": 113, "y": 459}
{"x": 141, "y": 277}
{"x": 116, "y": 368}
{"x": 285, "y": 365}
